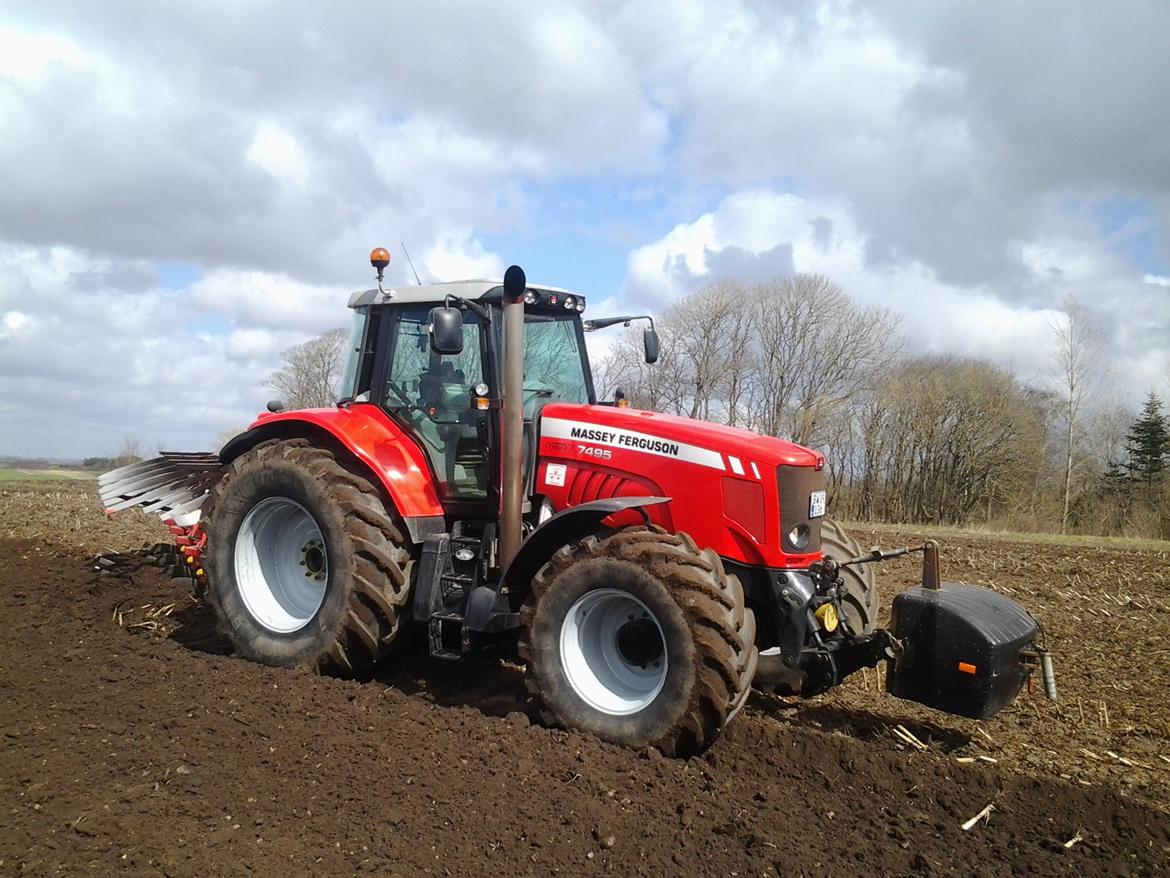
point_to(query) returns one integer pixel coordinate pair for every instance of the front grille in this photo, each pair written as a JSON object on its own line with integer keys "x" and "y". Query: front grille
{"x": 796, "y": 484}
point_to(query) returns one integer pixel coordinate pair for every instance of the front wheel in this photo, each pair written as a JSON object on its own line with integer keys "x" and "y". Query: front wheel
{"x": 641, "y": 639}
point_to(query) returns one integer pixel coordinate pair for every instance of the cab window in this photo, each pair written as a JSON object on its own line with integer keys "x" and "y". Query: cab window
{"x": 554, "y": 369}
{"x": 430, "y": 394}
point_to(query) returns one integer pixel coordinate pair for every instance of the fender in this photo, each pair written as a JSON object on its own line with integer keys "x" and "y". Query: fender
{"x": 365, "y": 431}
{"x": 563, "y": 528}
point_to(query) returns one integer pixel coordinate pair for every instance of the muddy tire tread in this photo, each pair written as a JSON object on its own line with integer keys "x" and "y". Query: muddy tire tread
{"x": 379, "y": 593}
{"x": 722, "y": 627}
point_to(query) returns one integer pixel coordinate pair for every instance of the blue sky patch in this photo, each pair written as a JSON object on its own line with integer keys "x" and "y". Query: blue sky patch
{"x": 177, "y": 275}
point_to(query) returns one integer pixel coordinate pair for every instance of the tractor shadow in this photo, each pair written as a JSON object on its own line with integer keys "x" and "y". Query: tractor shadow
{"x": 489, "y": 682}
{"x": 855, "y": 722}
{"x": 198, "y": 630}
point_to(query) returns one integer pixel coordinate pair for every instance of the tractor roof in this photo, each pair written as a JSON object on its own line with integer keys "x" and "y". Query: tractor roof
{"x": 483, "y": 288}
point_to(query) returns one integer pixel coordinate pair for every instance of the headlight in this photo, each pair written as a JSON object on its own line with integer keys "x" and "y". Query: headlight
{"x": 798, "y": 536}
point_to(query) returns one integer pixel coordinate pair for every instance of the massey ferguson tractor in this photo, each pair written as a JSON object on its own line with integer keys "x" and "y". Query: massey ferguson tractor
{"x": 651, "y": 569}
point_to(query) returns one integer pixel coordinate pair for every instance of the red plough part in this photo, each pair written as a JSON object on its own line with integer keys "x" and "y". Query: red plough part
{"x": 192, "y": 541}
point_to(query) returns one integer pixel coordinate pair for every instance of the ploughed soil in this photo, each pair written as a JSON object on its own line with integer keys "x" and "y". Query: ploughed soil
{"x": 132, "y": 742}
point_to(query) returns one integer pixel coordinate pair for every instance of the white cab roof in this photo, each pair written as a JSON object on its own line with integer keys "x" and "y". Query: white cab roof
{"x": 410, "y": 295}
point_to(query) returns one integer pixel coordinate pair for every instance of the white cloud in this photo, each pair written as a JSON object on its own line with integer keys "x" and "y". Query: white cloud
{"x": 276, "y": 151}
{"x": 948, "y": 128}
{"x": 270, "y": 145}
{"x": 25, "y": 56}
{"x": 117, "y": 363}
{"x": 13, "y": 321}
{"x": 824, "y": 237}
{"x": 269, "y": 299}
{"x": 456, "y": 256}
{"x": 257, "y": 345}
{"x": 1156, "y": 280}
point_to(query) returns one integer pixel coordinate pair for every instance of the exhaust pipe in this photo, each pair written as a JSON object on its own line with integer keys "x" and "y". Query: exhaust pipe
{"x": 512, "y": 416}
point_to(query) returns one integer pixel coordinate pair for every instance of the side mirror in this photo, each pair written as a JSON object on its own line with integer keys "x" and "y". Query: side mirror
{"x": 446, "y": 330}
{"x": 650, "y": 345}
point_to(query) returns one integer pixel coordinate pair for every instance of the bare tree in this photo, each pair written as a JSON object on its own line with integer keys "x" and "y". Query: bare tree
{"x": 783, "y": 358}
{"x": 815, "y": 351}
{"x": 312, "y": 371}
{"x": 623, "y": 367}
{"x": 710, "y": 333}
{"x": 1076, "y": 360}
{"x": 944, "y": 439}
{"x": 129, "y": 451}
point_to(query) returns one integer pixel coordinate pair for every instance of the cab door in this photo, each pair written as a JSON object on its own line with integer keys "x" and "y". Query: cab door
{"x": 430, "y": 396}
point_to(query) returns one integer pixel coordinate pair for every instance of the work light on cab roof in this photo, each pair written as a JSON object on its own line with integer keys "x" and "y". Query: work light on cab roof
{"x": 551, "y": 299}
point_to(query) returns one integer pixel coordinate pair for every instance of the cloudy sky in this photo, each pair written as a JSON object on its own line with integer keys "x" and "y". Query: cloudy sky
{"x": 186, "y": 189}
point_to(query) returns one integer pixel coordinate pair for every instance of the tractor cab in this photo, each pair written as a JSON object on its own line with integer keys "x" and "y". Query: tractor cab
{"x": 443, "y": 384}
{"x": 446, "y": 397}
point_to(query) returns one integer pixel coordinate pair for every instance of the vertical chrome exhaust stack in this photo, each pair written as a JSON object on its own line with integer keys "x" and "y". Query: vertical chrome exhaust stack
{"x": 512, "y": 416}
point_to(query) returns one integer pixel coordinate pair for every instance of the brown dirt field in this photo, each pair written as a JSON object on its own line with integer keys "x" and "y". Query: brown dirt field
{"x": 150, "y": 750}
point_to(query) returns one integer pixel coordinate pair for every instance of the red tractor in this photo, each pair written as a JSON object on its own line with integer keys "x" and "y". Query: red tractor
{"x": 469, "y": 482}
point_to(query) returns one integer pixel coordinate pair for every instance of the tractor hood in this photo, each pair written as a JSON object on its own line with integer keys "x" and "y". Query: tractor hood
{"x": 711, "y": 445}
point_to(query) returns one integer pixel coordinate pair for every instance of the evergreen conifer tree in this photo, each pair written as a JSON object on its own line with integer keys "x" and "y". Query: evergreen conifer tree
{"x": 1148, "y": 443}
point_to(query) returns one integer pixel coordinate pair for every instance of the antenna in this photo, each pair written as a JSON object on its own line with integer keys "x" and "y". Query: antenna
{"x": 411, "y": 261}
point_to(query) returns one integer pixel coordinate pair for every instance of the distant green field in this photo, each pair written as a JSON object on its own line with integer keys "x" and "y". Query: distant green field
{"x": 42, "y": 475}
{"x": 1079, "y": 540}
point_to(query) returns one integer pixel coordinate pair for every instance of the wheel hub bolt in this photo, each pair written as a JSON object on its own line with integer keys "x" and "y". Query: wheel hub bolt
{"x": 313, "y": 559}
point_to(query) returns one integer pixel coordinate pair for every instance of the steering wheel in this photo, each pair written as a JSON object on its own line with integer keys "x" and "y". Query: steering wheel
{"x": 428, "y": 411}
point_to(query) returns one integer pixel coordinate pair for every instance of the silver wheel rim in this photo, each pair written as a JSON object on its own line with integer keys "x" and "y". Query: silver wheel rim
{"x": 281, "y": 565}
{"x": 613, "y": 652}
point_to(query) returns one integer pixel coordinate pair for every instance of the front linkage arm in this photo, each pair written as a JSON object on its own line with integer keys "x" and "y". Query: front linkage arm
{"x": 931, "y": 577}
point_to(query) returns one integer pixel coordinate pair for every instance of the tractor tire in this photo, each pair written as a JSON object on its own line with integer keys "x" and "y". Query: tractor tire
{"x": 862, "y": 600}
{"x": 641, "y": 639}
{"x": 305, "y": 565}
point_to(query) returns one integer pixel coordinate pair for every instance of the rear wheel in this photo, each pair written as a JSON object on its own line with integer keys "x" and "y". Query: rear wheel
{"x": 641, "y": 639}
{"x": 861, "y": 601}
{"x": 305, "y": 565}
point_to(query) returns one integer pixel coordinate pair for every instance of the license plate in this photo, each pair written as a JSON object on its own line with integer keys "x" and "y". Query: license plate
{"x": 816, "y": 504}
